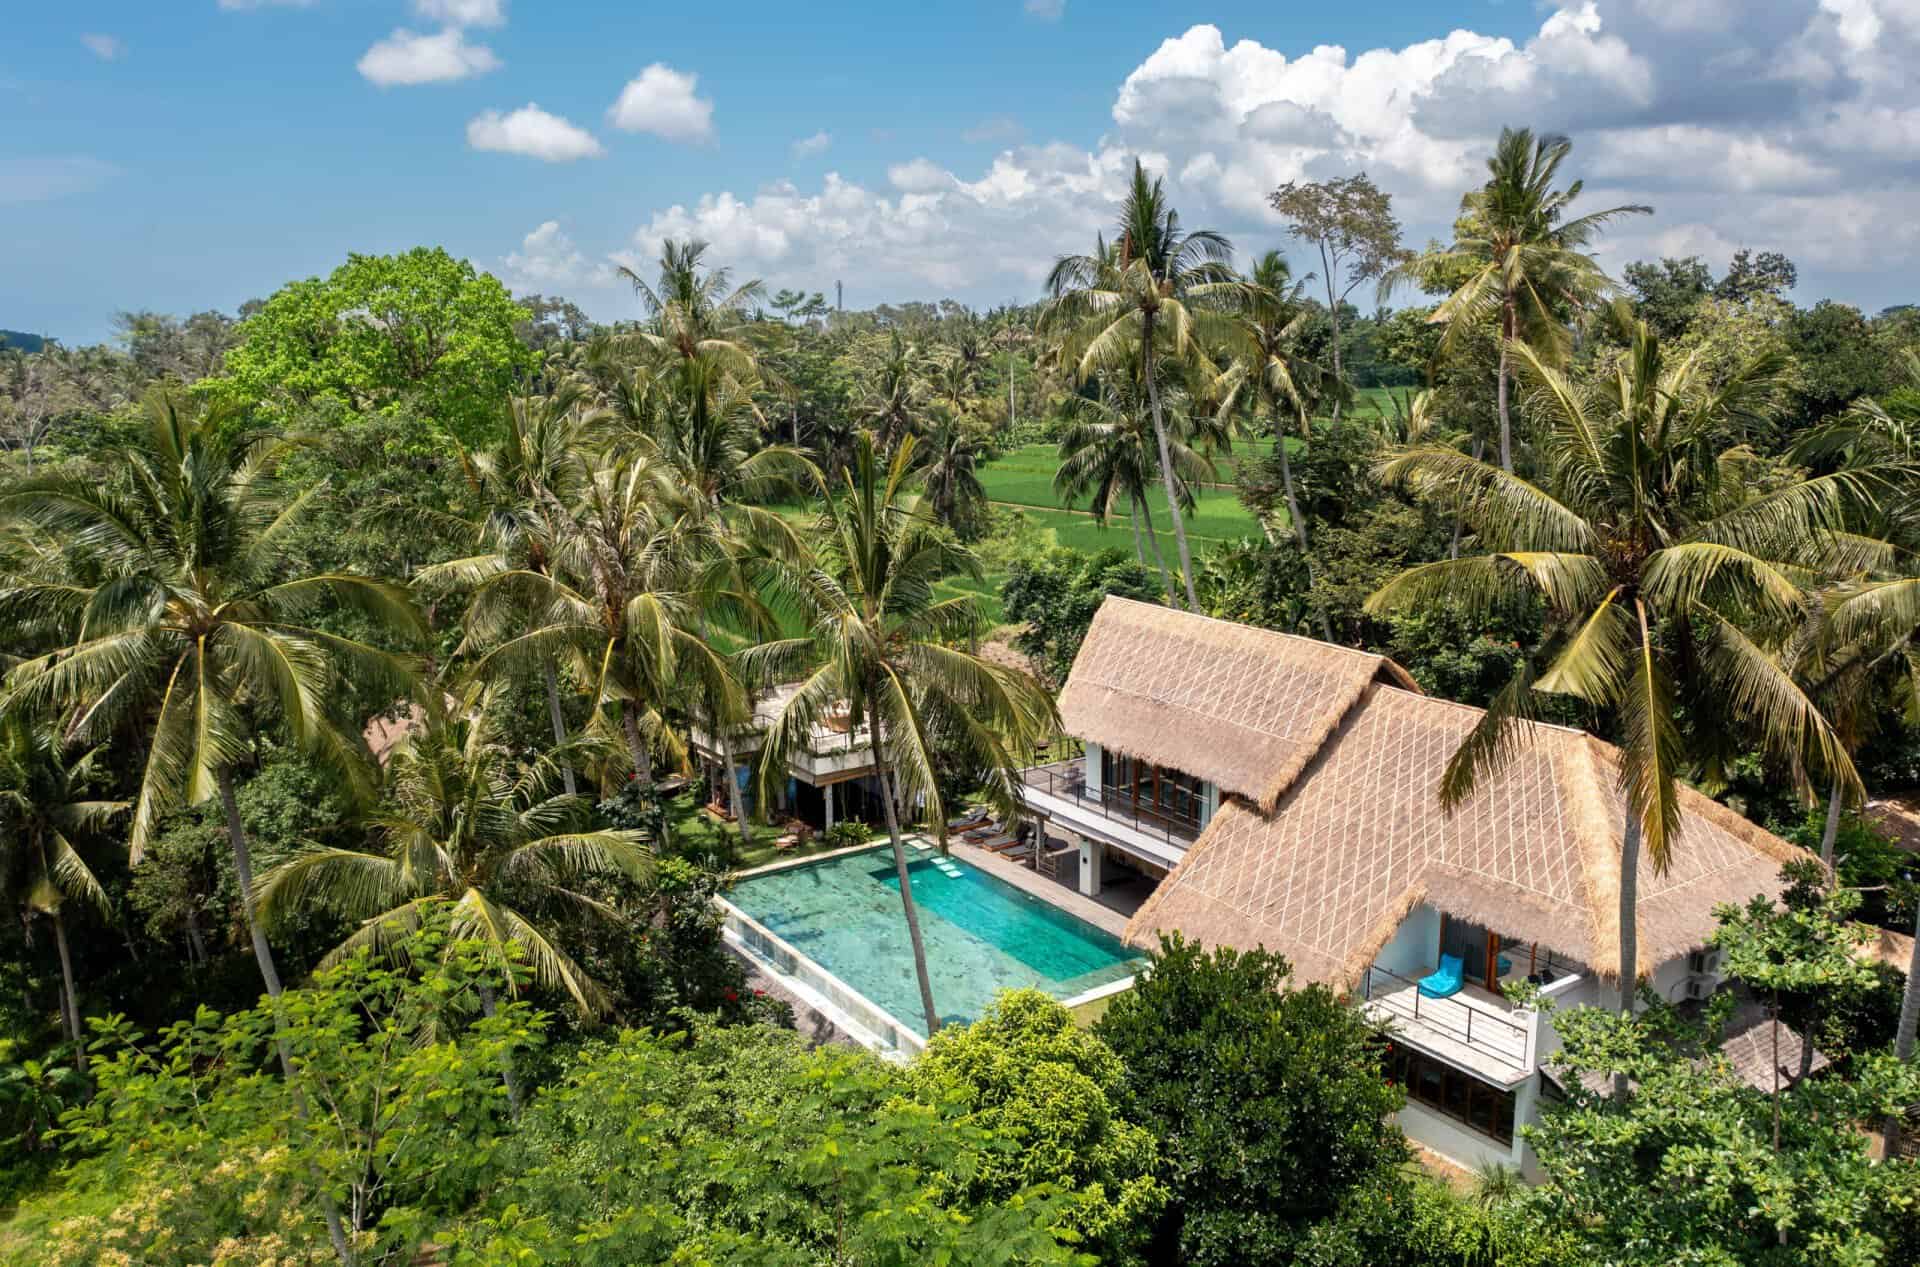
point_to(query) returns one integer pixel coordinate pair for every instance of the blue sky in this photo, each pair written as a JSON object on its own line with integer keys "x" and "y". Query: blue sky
{"x": 186, "y": 154}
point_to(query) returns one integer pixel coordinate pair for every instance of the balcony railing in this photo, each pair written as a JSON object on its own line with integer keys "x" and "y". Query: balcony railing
{"x": 1452, "y": 1017}
{"x": 1067, "y": 781}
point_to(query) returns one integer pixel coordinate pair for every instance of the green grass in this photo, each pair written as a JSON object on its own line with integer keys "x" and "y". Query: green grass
{"x": 698, "y": 831}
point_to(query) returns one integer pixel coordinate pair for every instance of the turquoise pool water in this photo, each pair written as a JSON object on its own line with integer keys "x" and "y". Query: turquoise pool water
{"x": 982, "y": 934}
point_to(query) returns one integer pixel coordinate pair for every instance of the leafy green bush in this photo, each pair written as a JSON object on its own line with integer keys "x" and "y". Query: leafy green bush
{"x": 1026, "y": 1073}
{"x": 1268, "y": 1101}
{"x": 740, "y": 1146}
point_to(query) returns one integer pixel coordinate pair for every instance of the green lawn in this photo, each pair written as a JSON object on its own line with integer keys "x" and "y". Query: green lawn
{"x": 694, "y": 828}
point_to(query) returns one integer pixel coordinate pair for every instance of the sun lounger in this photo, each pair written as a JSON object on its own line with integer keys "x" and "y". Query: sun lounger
{"x": 1445, "y": 982}
{"x": 1000, "y": 844}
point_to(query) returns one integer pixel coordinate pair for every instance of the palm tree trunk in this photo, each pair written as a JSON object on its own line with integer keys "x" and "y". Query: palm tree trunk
{"x": 1333, "y": 315}
{"x": 1153, "y": 539}
{"x": 1293, "y": 509}
{"x": 643, "y": 767}
{"x": 243, "y": 877}
{"x": 1506, "y": 423}
{"x": 734, "y": 796}
{"x": 880, "y": 765}
{"x": 1012, "y": 422}
{"x": 1629, "y": 930}
{"x": 559, "y": 724}
{"x": 1166, "y": 468}
{"x": 507, "y": 1076}
{"x": 1831, "y": 835}
{"x": 1904, "y": 1033}
{"x": 1139, "y": 546}
{"x": 1460, "y": 520}
{"x": 69, "y": 994}
{"x": 263, "y": 955}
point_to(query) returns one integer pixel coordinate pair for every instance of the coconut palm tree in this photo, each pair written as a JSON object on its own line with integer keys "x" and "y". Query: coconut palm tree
{"x": 1109, "y": 455}
{"x": 525, "y": 484}
{"x": 951, "y": 477}
{"x": 1653, "y": 559}
{"x": 894, "y": 390}
{"x": 694, "y": 311}
{"x": 1159, "y": 293}
{"x": 881, "y": 643}
{"x": 1275, "y": 372}
{"x": 1523, "y": 255}
{"x": 198, "y": 625}
{"x": 466, "y": 826}
{"x": 43, "y": 808}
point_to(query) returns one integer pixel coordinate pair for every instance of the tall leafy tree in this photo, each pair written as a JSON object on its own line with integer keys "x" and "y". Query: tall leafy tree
{"x": 1652, "y": 558}
{"x": 1159, "y": 292}
{"x": 1523, "y": 256}
{"x": 197, "y": 629}
{"x": 880, "y": 642}
{"x": 1350, "y": 221}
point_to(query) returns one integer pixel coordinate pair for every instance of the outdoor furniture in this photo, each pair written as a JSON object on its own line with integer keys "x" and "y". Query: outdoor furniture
{"x": 786, "y": 842}
{"x": 1048, "y": 863}
{"x": 999, "y": 844}
{"x": 1504, "y": 965}
{"x": 1445, "y": 982}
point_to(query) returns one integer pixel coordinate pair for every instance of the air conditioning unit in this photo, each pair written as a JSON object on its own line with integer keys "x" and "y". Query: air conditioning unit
{"x": 1701, "y": 987}
{"x": 1702, "y": 963}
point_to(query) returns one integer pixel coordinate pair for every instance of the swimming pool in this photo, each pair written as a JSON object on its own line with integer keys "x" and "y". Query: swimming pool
{"x": 982, "y": 935}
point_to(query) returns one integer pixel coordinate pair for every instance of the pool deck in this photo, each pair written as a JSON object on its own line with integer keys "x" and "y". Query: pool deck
{"x": 1053, "y": 892}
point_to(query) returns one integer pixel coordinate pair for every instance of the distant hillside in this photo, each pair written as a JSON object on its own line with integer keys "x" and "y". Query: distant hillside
{"x": 25, "y": 342}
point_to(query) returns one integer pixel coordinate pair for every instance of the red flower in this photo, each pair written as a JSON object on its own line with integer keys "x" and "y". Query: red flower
{"x": 732, "y": 997}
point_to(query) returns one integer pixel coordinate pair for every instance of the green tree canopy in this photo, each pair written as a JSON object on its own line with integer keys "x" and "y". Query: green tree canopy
{"x": 380, "y": 328}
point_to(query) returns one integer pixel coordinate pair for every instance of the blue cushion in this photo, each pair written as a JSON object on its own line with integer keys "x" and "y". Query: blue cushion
{"x": 1448, "y": 980}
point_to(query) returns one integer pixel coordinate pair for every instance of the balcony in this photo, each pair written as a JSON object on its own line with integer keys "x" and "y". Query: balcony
{"x": 1058, "y": 793}
{"x": 1475, "y": 1029}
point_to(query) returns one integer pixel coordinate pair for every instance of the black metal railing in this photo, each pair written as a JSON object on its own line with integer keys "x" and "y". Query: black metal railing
{"x": 1450, "y": 1016}
{"x": 1067, "y": 781}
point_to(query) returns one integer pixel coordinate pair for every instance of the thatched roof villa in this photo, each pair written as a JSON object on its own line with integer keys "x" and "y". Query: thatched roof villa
{"x": 1266, "y": 790}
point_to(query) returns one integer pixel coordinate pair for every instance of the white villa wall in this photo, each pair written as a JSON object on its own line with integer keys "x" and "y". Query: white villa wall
{"x": 1411, "y": 952}
{"x": 1466, "y": 1148}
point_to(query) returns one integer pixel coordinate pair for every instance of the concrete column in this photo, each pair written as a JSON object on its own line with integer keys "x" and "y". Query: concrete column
{"x": 1091, "y": 853}
{"x": 828, "y": 791}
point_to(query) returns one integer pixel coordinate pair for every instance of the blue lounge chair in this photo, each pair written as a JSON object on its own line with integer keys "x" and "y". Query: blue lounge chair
{"x": 1447, "y": 981}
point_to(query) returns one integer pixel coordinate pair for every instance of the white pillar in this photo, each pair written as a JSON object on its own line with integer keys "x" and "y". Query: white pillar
{"x": 1090, "y": 855}
{"x": 828, "y": 790}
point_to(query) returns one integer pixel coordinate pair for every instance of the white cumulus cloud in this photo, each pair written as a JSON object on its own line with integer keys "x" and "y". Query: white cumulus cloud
{"x": 107, "y": 48}
{"x": 809, "y": 146}
{"x": 547, "y": 258}
{"x": 1792, "y": 125}
{"x": 661, "y": 101}
{"x": 533, "y": 132}
{"x": 463, "y": 12}
{"x": 408, "y": 57}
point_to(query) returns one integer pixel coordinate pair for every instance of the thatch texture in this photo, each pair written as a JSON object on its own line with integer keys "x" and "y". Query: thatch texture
{"x": 1243, "y": 708}
{"x": 1328, "y": 874}
{"x": 1898, "y": 819}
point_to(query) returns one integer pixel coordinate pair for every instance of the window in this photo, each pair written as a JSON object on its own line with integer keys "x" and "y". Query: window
{"x": 1150, "y": 791}
{"x": 1454, "y": 1093}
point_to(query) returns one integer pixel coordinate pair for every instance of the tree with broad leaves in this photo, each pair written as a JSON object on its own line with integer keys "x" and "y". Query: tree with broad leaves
{"x": 1350, "y": 221}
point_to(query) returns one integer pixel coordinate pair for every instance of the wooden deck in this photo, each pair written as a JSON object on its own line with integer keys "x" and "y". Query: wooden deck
{"x": 1477, "y": 1030}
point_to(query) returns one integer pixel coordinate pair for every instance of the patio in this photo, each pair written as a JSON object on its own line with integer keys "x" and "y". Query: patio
{"x": 1476, "y": 1029}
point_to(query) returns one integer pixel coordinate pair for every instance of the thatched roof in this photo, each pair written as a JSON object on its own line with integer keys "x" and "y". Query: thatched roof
{"x": 1328, "y": 875}
{"x": 1898, "y": 819}
{"x": 1243, "y": 708}
{"x": 1748, "y": 1045}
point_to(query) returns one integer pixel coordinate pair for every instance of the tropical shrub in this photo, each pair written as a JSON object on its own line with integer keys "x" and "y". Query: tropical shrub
{"x": 1268, "y": 1102}
{"x": 1027, "y": 1074}
{"x": 740, "y": 1146}
{"x": 1686, "y": 1169}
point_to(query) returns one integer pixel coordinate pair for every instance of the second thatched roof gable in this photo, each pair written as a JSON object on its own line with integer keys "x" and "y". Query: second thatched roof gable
{"x": 1243, "y": 708}
{"x": 1328, "y": 874}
